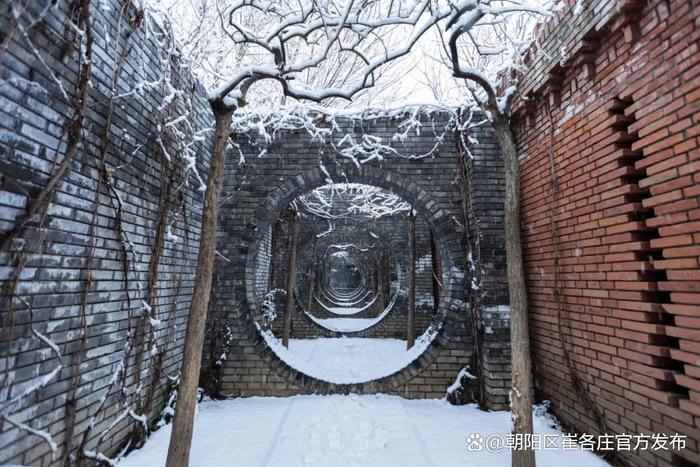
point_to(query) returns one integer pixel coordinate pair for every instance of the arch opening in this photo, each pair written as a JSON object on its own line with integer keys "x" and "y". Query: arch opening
{"x": 351, "y": 305}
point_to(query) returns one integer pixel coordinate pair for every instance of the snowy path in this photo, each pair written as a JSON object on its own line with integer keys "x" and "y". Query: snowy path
{"x": 346, "y": 360}
{"x": 349, "y": 359}
{"x": 348, "y": 308}
{"x": 345, "y": 431}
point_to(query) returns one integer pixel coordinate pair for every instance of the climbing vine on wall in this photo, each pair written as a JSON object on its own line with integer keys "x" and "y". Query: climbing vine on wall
{"x": 37, "y": 206}
{"x": 562, "y": 318}
{"x": 138, "y": 379}
{"x": 472, "y": 235}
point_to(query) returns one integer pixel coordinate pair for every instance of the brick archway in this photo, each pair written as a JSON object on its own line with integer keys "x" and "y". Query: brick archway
{"x": 314, "y": 307}
{"x": 291, "y": 167}
{"x": 439, "y": 222}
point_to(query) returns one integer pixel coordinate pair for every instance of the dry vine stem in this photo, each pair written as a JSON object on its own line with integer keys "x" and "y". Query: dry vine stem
{"x": 71, "y": 402}
{"x": 135, "y": 404}
{"x": 474, "y": 255}
{"x": 38, "y": 205}
{"x": 485, "y": 93}
{"x": 562, "y": 319}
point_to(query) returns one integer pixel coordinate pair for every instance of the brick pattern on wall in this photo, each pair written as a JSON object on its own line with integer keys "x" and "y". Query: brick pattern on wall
{"x": 611, "y": 238}
{"x": 485, "y": 192}
{"x": 54, "y": 279}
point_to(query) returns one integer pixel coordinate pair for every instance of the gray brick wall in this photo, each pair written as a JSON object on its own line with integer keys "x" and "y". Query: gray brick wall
{"x": 53, "y": 283}
{"x": 486, "y": 175}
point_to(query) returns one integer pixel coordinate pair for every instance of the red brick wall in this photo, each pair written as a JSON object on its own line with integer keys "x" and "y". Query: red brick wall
{"x": 609, "y": 142}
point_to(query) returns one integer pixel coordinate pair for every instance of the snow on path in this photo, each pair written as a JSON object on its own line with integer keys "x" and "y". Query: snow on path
{"x": 344, "y": 310}
{"x": 348, "y": 360}
{"x": 346, "y": 431}
{"x": 343, "y": 431}
{"x": 345, "y": 324}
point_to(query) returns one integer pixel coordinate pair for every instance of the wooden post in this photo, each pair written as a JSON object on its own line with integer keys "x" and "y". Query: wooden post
{"x": 378, "y": 276}
{"x": 437, "y": 273}
{"x": 291, "y": 267}
{"x": 411, "y": 320}
{"x": 386, "y": 275}
{"x": 381, "y": 294}
{"x": 312, "y": 275}
{"x": 181, "y": 436}
{"x": 273, "y": 255}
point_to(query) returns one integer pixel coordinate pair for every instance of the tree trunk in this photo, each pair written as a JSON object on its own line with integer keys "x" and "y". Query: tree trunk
{"x": 312, "y": 275}
{"x": 386, "y": 274}
{"x": 375, "y": 277}
{"x": 521, "y": 391}
{"x": 181, "y": 437}
{"x": 380, "y": 283}
{"x": 291, "y": 267}
{"x": 437, "y": 273}
{"x": 411, "y": 327}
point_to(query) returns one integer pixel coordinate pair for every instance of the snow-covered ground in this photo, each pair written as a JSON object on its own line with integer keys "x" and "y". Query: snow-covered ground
{"x": 346, "y": 324}
{"x": 347, "y": 360}
{"x": 347, "y": 310}
{"x": 347, "y": 431}
{"x": 351, "y": 324}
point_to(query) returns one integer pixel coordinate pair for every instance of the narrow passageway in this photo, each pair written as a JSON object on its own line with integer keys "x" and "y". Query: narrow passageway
{"x": 350, "y": 431}
{"x": 349, "y": 233}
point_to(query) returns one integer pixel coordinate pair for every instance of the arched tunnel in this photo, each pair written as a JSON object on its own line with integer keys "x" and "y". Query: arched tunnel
{"x": 352, "y": 280}
{"x": 346, "y": 233}
{"x": 357, "y": 299}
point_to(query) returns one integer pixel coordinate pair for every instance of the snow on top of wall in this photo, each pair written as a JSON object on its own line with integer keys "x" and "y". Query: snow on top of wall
{"x": 262, "y": 126}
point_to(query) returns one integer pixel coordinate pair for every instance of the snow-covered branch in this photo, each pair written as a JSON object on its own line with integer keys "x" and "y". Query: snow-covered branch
{"x": 344, "y": 200}
{"x": 324, "y": 125}
{"x": 497, "y": 36}
{"x": 292, "y": 42}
